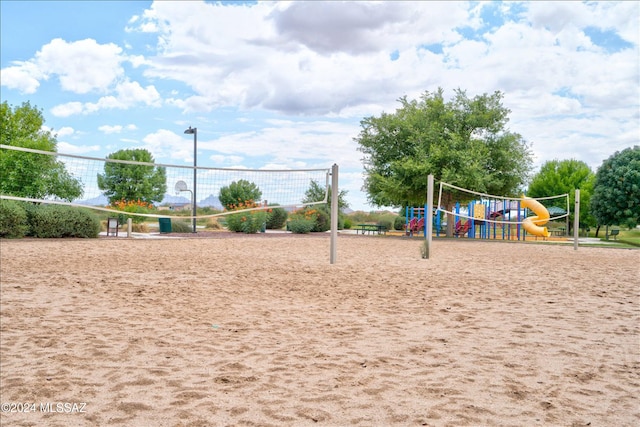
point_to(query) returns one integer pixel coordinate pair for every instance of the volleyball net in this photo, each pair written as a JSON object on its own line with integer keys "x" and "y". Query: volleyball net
{"x": 488, "y": 208}
{"x": 40, "y": 176}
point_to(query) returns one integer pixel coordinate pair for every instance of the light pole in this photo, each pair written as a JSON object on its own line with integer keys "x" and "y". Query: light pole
{"x": 194, "y": 131}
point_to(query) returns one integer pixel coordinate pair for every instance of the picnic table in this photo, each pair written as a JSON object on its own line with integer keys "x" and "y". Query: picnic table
{"x": 371, "y": 228}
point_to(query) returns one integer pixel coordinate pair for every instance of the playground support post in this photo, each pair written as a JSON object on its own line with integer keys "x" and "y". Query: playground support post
{"x": 428, "y": 220}
{"x": 576, "y": 220}
{"x": 334, "y": 213}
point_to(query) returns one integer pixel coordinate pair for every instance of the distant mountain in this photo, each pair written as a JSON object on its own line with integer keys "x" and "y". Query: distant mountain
{"x": 174, "y": 200}
{"x": 169, "y": 199}
{"x": 100, "y": 200}
{"x": 211, "y": 201}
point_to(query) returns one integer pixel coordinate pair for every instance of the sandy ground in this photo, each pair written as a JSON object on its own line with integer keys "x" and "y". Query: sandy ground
{"x": 252, "y": 331}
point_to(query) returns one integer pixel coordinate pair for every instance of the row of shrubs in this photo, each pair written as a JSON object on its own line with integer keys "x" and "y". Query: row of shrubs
{"x": 276, "y": 218}
{"x": 306, "y": 220}
{"x": 20, "y": 219}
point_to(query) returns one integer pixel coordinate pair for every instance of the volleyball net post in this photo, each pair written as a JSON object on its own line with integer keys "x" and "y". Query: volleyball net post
{"x": 428, "y": 223}
{"x": 334, "y": 215}
{"x": 576, "y": 220}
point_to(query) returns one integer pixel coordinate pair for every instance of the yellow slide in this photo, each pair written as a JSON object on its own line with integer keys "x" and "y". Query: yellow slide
{"x": 533, "y": 223}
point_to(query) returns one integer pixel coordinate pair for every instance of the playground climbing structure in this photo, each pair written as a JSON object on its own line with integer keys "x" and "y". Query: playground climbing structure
{"x": 488, "y": 216}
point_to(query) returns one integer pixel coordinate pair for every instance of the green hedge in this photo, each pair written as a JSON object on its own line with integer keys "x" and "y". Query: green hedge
{"x": 13, "y": 219}
{"x": 399, "y": 223}
{"x": 181, "y": 226}
{"x": 55, "y": 221}
{"x": 246, "y": 222}
{"x": 301, "y": 226}
{"x": 27, "y": 219}
{"x": 277, "y": 218}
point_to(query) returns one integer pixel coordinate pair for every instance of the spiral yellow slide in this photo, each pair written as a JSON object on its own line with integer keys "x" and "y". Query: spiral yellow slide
{"x": 533, "y": 223}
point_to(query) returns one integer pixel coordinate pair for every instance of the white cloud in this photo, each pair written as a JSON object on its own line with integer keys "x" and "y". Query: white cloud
{"x": 23, "y": 76}
{"x": 168, "y": 144}
{"x": 67, "y": 109}
{"x": 225, "y": 161}
{"x": 67, "y": 148}
{"x": 128, "y": 94}
{"x": 107, "y": 129}
{"x": 110, "y": 129}
{"x": 65, "y": 131}
{"x": 82, "y": 66}
{"x": 261, "y": 56}
{"x": 287, "y": 142}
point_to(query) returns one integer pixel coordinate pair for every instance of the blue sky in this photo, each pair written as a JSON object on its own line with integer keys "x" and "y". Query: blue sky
{"x": 285, "y": 85}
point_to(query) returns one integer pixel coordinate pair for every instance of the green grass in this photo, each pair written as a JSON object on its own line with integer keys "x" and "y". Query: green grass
{"x": 626, "y": 238}
{"x": 631, "y": 237}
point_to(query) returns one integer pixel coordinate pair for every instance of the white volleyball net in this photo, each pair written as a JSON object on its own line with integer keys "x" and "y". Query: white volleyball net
{"x": 25, "y": 179}
{"x": 477, "y": 206}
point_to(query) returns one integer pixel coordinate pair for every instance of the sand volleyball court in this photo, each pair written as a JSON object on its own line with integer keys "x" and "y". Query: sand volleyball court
{"x": 263, "y": 331}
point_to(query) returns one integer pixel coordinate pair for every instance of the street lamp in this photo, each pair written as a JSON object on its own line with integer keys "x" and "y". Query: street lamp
{"x": 194, "y": 132}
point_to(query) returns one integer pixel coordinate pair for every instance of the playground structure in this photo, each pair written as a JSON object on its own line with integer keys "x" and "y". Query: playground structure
{"x": 497, "y": 218}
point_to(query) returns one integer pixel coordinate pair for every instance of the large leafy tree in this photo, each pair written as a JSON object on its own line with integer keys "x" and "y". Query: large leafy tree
{"x": 616, "y": 193}
{"x": 239, "y": 193}
{"x": 463, "y": 142}
{"x": 32, "y": 175}
{"x": 130, "y": 181}
{"x": 558, "y": 177}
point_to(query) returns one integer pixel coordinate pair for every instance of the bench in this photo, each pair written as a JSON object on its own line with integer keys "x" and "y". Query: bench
{"x": 371, "y": 228}
{"x": 613, "y": 233}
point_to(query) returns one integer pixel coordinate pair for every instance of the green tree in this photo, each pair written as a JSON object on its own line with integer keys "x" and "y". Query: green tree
{"x": 129, "y": 182}
{"x": 463, "y": 142}
{"x": 239, "y": 193}
{"x": 558, "y": 177}
{"x": 316, "y": 192}
{"x": 24, "y": 174}
{"x": 616, "y": 192}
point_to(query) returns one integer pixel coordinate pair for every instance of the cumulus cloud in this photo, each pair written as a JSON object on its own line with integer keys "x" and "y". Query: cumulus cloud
{"x": 65, "y": 131}
{"x": 110, "y": 129}
{"x": 225, "y": 161}
{"x": 67, "y": 109}
{"x": 168, "y": 144}
{"x": 331, "y": 27}
{"x": 23, "y": 76}
{"x": 67, "y": 148}
{"x": 267, "y": 56}
{"x": 318, "y": 58}
{"x": 82, "y": 66}
{"x": 287, "y": 142}
{"x": 127, "y": 94}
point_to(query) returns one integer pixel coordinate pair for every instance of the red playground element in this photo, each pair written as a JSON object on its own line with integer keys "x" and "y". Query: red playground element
{"x": 462, "y": 228}
{"x": 415, "y": 225}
